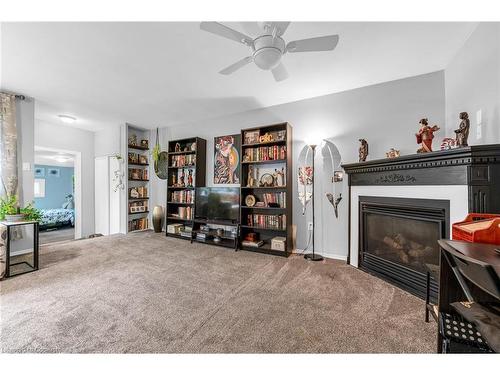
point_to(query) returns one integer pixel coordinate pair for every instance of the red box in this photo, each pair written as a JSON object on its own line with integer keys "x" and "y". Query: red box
{"x": 481, "y": 228}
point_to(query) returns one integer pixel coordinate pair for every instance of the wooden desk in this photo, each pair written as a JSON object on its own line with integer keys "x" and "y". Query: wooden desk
{"x": 477, "y": 281}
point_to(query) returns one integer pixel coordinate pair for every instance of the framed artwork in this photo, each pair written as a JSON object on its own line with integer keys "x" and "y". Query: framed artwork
{"x": 39, "y": 172}
{"x": 227, "y": 159}
{"x": 53, "y": 172}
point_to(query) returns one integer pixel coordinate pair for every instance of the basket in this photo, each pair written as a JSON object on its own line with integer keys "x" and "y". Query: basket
{"x": 481, "y": 228}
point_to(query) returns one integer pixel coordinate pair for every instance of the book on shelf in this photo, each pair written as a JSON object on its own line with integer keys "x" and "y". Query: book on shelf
{"x": 267, "y": 221}
{"x": 183, "y": 160}
{"x": 182, "y": 196}
{"x": 273, "y": 199}
{"x": 183, "y": 213}
{"x": 265, "y": 153}
{"x": 137, "y": 224}
{"x": 252, "y": 243}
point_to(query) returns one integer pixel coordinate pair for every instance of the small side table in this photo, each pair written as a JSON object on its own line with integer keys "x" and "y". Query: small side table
{"x": 36, "y": 247}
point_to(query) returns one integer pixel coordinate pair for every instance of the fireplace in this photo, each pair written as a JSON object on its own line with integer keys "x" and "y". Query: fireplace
{"x": 398, "y": 239}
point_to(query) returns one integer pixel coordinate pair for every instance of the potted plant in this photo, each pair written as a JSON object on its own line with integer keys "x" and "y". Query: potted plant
{"x": 10, "y": 210}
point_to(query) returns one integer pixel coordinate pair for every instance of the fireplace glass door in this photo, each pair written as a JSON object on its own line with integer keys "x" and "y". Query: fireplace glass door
{"x": 398, "y": 240}
{"x": 409, "y": 242}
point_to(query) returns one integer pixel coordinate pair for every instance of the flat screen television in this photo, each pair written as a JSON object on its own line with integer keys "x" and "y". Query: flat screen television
{"x": 218, "y": 204}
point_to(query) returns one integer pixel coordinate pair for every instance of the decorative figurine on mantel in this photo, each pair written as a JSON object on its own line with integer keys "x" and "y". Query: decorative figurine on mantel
{"x": 425, "y": 135}
{"x": 363, "y": 150}
{"x": 462, "y": 133}
{"x": 392, "y": 153}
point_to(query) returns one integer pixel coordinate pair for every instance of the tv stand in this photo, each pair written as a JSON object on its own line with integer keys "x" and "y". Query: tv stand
{"x": 228, "y": 238}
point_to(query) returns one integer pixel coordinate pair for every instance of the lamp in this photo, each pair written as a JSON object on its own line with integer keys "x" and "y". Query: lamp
{"x": 312, "y": 256}
{"x": 67, "y": 119}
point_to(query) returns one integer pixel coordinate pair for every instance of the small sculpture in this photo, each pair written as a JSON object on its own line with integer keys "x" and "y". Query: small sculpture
{"x": 279, "y": 177}
{"x": 190, "y": 178}
{"x": 335, "y": 202}
{"x": 448, "y": 144}
{"x": 392, "y": 153}
{"x": 462, "y": 133}
{"x": 363, "y": 150}
{"x": 177, "y": 147}
{"x": 425, "y": 135}
{"x": 250, "y": 178}
{"x": 181, "y": 179}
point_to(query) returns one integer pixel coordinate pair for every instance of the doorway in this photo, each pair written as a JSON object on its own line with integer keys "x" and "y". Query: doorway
{"x": 57, "y": 179}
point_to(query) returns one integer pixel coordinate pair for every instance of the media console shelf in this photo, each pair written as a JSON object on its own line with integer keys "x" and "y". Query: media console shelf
{"x": 229, "y": 237}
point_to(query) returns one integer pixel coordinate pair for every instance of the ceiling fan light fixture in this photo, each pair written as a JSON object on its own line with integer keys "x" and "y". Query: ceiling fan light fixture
{"x": 268, "y": 51}
{"x": 267, "y": 58}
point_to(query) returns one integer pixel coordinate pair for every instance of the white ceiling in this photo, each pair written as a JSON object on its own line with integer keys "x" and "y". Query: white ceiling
{"x": 163, "y": 74}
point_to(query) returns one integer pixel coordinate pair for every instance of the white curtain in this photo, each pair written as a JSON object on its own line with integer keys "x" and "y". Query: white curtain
{"x": 8, "y": 160}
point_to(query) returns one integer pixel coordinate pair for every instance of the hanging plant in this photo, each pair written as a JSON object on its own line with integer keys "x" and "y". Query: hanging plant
{"x": 156, "y": 148}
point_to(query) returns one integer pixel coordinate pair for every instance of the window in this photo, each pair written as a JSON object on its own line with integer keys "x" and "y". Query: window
{"x": 39, "y": 188}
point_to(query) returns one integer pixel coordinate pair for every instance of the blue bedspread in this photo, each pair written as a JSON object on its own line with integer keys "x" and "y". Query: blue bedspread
{"x": 57, "y": 216}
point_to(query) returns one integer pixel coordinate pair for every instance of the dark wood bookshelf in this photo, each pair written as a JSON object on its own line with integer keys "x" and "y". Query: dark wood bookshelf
{"x": 267, "y": 234}
{"x": 142, "y": 148}
{"x": 134, "y": 217}
{"x": 139, "y": 164}
{"x": 137, "y": 213}
{"x": 198, "y": 171}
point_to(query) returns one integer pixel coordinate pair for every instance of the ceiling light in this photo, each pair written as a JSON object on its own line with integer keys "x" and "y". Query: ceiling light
{"x": 67, "y": 119}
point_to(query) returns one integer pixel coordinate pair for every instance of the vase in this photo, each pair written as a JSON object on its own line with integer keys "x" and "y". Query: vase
{"x": 158, "y": 218}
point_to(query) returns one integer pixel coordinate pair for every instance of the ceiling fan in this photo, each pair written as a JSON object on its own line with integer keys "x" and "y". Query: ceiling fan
{"x": 268, "y": 48}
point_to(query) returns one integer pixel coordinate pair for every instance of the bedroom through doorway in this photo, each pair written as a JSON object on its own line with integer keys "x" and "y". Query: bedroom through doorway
{"x": 57, "y": 193}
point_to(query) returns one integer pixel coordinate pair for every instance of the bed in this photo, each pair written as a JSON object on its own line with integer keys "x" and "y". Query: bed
{"x": 57, "y": 217}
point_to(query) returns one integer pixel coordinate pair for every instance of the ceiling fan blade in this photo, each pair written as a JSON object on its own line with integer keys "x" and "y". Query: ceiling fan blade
{"x": 280, "y": 73}
{"x": 226, "y": 32}
{"x": 322, "y": 43}
{"x": 280, "y": 27}
{"x": 237, "y": 65}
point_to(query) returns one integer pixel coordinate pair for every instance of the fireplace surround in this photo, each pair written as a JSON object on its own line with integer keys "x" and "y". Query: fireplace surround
{"x": 380, "y": 196}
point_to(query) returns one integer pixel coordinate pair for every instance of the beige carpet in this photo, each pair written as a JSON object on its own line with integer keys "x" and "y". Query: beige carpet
{"x": 147, "y": 293}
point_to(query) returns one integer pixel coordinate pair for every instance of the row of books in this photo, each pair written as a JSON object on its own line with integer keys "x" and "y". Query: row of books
{"x": 274, "y": 198}
{"x": 183, "y": 160}
{"x": 265, "y": 153}
{"x": 183, "y": 213}
{"x": 138, "y": 174}
{"x": 137, "y": 224}
{"x": 182, "y": 196}
{"x": 267, "y": 221}
{"x": 138, "y": 192}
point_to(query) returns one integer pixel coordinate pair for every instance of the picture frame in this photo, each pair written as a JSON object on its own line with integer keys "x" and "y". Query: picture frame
{"x": 39, "y": 172}
{"x": 53, "y": 172}
{"x": 227, "y": 159}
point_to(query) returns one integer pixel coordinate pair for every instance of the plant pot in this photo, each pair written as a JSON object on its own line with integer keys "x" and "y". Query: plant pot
{"x": 158, "y": 219}
{"x": 14, "y": 218}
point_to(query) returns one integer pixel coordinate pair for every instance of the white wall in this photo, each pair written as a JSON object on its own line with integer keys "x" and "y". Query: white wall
{"x": 472, "y": 81}
{"x": 386, "y": 115}
{"x": 67, "y": 138}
